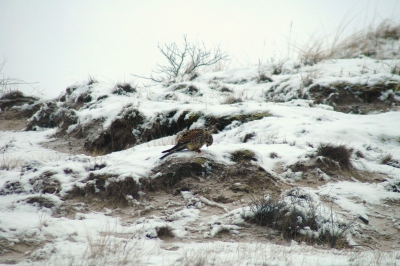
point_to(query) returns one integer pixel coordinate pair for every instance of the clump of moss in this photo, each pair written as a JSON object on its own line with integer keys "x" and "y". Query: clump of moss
{"x": 200, "y": 160}
{"x": 222, "y": 199}
{"x": 241, "y": 156}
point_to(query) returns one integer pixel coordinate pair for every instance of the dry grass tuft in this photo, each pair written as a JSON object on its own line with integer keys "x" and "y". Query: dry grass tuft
{"x": 123, "y": 88}
{"x": 340, "y": 154}
{"x": 370, "y": 42}
{"x": 232, "y": 100}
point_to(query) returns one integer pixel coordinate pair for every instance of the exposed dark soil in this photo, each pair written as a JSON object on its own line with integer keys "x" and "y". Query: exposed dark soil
{"x": 15, "y": 109}
{"x": 108, "y": 187}
{"x": 356, "y": 98}
{"x": 202, "y": 176}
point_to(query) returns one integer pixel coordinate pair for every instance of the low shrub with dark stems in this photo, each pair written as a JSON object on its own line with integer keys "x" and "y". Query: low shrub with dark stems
{"x": 299, "y": 217}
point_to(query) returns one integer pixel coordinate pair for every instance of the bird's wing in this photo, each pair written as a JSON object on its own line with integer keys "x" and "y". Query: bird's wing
{"x": 177, "y": 147}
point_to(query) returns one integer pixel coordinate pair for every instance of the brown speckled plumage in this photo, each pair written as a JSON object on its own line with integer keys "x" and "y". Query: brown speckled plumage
{"x": 192, "y": 140}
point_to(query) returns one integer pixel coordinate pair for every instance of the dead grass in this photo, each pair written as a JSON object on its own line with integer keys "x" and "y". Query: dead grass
{"x": 92, "y": 80}
{"x": 161, "y": 142}
{"x": 123, "y": 88}
{"x": 307, "y": 77}
{"x": 364, "y": 42}
{"x": 262, "y": 77}
{"x": 232, "y": 100}
{"x": 9, "y": 162}
{"x": 108, "y": 249}
{"x": 340, "y": 154}
{"x": 386, "y": 158}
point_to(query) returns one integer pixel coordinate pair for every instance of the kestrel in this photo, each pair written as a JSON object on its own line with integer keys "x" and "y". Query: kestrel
{"x": 192, "y": 140}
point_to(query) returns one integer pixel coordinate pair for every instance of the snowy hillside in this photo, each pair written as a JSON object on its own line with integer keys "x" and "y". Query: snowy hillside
{"x": 304, "y": 170}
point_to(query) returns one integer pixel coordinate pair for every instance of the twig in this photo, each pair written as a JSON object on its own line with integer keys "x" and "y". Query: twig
{"x": 361, "y": 246}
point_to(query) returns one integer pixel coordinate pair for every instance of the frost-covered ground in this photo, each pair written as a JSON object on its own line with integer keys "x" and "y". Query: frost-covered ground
{"x": 279, "y": 120}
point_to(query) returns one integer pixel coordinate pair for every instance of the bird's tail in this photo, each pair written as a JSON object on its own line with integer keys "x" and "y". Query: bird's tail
{"x": 165, "y": 155}
{"x": 177, "y": 147}
{"x": 168, "y": 150}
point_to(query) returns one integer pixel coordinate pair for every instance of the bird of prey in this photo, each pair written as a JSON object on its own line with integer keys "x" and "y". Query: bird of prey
{"x": 192, "y": 140}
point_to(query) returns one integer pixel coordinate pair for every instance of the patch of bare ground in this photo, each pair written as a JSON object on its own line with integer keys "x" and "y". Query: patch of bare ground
{"x": 380, "y": 231}
{"x": 357, "y": 98}
{"x": 329, "y": 163}
{"x": 12, "y": 115}
{"x": 199, "y": 175}
{"x": 221, "y": 188}
{"x": 315, "y": 173}
{"x": 203, "y": 176}
{"x": 382, "y": 227}
{"x": 14, "y": 253}
{"x": 12, "y": 124}
{"x": 67, "y": 145}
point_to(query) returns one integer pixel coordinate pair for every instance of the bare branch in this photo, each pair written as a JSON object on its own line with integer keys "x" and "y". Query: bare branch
{"x": 185, "y": 60}
{"x": 10, "y": 84}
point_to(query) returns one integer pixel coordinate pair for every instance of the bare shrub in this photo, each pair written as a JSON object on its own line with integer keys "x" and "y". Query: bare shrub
{"x": 299, "y": 216}
{"x": 165, "y": 232}
{"x": 185, "y": 61}
{"x": 9, "y": 85}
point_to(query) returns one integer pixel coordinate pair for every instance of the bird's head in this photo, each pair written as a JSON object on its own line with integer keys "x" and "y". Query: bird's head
{"x": 208, "y": 138}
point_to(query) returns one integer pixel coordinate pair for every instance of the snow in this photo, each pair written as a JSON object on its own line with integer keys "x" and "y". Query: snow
{"x": 292, "y": 131}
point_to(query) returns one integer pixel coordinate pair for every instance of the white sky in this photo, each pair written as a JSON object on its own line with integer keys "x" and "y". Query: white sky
{"x": 57, "y": 43}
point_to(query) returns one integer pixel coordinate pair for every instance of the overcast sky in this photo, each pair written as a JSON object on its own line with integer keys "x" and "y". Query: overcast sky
{"x": 57, "y": 43}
